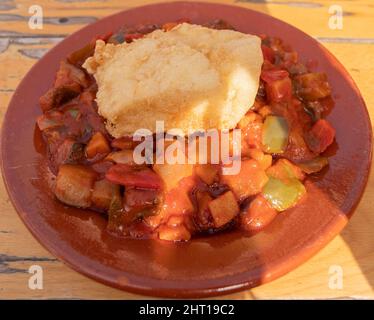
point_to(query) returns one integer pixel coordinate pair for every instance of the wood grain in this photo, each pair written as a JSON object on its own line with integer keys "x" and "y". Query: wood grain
{"x": 353, "y": 250}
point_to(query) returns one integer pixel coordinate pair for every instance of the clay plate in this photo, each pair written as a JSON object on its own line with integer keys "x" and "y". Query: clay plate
{"x": 207, "y": 266}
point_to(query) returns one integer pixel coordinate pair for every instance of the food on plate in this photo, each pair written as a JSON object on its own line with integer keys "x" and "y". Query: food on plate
{"x": 193, "y": 78}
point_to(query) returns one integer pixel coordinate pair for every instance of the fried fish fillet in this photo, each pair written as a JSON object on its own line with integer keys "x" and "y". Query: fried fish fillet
{"x": 191, "y": 77}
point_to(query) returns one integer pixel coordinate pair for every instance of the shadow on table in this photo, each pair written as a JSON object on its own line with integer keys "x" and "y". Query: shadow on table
{"x": 358, "y": 236}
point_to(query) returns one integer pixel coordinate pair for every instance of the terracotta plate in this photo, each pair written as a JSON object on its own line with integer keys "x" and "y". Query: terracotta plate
{"x": 208, "y": 266}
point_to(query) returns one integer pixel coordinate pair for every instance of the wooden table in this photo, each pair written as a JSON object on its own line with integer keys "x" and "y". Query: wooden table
{"x": 353, "y": 250}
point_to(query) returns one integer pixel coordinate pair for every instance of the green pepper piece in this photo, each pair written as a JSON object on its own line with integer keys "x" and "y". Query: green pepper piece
{"x": 314, "y": 165}
{"x": 281, "y": 195}
{"x": 275, "y": 134}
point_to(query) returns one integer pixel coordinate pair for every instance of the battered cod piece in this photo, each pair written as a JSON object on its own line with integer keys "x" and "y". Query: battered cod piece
{"x": 191, "y": 77}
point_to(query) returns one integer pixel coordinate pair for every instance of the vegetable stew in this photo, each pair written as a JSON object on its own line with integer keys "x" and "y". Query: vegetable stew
{"x": 283, "y": 139}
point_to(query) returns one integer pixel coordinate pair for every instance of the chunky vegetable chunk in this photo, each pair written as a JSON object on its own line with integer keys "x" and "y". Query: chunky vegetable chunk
{"x": 177, "y": 200}
{"x": 279, "y": 90}
{"x": 139, "y": 200}
{"x": 283, "y": 195}
{"x": 175, "y": 233}
{"x": 134, "y": 176}
{"x": 249, "y": 181}
{"x": 313, "y": 86}
{"x": 98, "y": 145}
{"x": 223, "y": 209}
{"x": 74, "y": 185}
{"x": 314, "y": 165}
{"x": 171, "y": 174}
{"x": 285, "y": 170}
{"x": 320, "y": 136}
{"x": 275, "y": 134}
{"x": 258, "y": 214}
{"x": 103, "y": 193}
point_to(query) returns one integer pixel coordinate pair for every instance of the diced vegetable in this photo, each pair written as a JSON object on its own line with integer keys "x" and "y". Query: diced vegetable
{"x": 283, "y": 195}
{"x": 177, "y": 200}
{"x": 264, "y": 160}
{"x": 134, "y": 176}
{"x": 268, "y": 53}
{"x": 320, "y": 136}
{"x": 103, "y": 193}
{"x": 314, "y": 165}
{"x": 297, "y": 149}
{"x": 275, "y": 134}
{"x": 270, "y": 76}
{"x": 176, "y": 233}
{"x": 247, "y": 119}
{"x": 55, "y": 97}
{"x": 68, "y": 74}
{"x": 249, "y": 181}
{"x": 98, "y": 145}
{"x": 138, "y": 200}
{"x": 278, "y": 85}
{"x": 177, "y": 203}
{"x": 207, "y": 172}
{"x": 265, "y": 111}
{"x": 125, "y": 156}
{"x": 171, "y": 174}
{"x": 285, "y": 170}
{"x": 312, "y": 86}
{"x": 179, "y": 219}
{"x": 223, "y": 209}
{"x": 74, "y": 184}
{"x": 79, "y": 57}
{"x": 69, "y": 151}
{"x": 258, "y": 214}
{"x": 279, "y": 90}
{"x": 251, "y": 126}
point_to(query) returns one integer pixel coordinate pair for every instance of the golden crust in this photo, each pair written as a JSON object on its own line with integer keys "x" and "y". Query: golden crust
{"x": 191, "y": 77}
